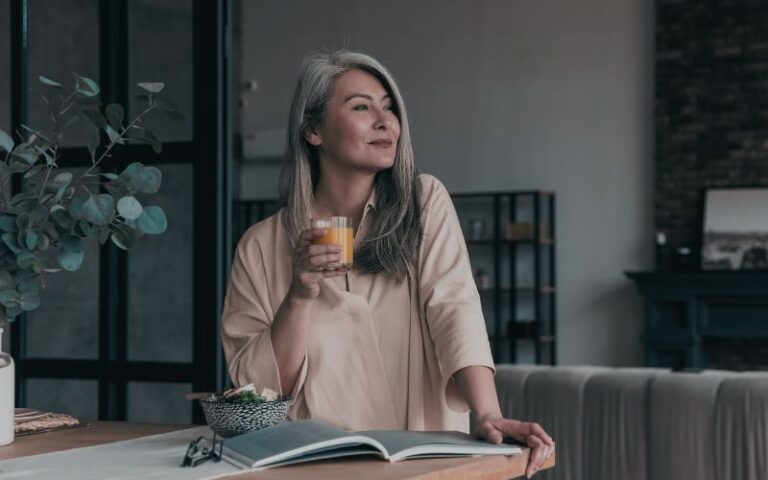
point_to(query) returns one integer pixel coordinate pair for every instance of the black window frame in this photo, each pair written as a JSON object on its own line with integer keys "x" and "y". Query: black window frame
{"x": 210, "y": 154}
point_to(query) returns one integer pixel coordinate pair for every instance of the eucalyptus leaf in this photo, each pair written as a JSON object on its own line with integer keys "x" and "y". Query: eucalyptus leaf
{"x": 6, "y": 280}
{"x": 9, "y": 298}
{"x": 99, "y": 209}
{"x": 129, "y": 207}
{"x": 114, "y": 137}
{"x": 152, "y": 87}
{"x": 75, "y": 208}
{"x": 96, "y": 118}
{"x": 27, "y": 286}
{"x": 152, "y": 221}
{"x": 63, "y": 219}
{"x": 115, "y": 115}
{"x": 23, "y": 220}
{"x": 8, "y": 223}
{"x": 157, "y": 145}
{"x": 6, "y": 142}
{"x": 93, "y": 142}
{"x": 123, "y": 238}
{"x": 26, "y": 259}
{"x": 176, "y": 117}
{"x": 12, "y": 312}
{"x": 31, "y": 239}
{"x": 86, "y": 86}
{"x": 85, "y": 228}
{"x": 33, "y": 171}
{"x": 103, "y": 235}
{"x": 39, "y": 215}
{"x": 29, "y": 156}
{"x": 71, "y": 253}
{"x": 29, "y": 301}
{"x": 44, "y": 242}
{"x": 49, "y": 82}
{"x": 147, "y": 179}
{"x": 72, "y": 244}
{"x": 9, "y": 240}
{"x": 60, "y": 182}
{"x": 110, "y": 176}
{"x": 131, "y": 169}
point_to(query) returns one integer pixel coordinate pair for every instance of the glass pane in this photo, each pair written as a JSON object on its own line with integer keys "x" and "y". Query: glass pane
{"x": 5, "y": 66}
{"x": 67, "y": 323}
{"x": 160, "y": 46}
{"x": 150, "y": 402}
{"x": 160, "y": 277}
{"x": 79, "y": 398}
{"x": 63, "y": 38}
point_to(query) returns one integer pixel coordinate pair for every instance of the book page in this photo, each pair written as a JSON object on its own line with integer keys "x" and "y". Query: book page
{"x": 289, "y": 440}
{"x": 402, "y": 444}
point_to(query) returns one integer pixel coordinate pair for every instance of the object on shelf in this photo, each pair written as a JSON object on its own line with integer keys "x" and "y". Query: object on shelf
{"x": 662, "y": 251}
{"x": 477, "y": 229}
{"x": 482, "y": 279}
{"x": 682, "y": 259}
{"x": 525, "y": 231}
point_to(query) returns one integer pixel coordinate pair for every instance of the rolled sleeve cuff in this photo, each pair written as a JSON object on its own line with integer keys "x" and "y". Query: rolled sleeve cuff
{"x": 453, "y": 396}
{"x": 260, "y": 368}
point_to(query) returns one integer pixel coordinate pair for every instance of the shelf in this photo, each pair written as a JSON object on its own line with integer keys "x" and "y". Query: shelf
{"x": 526, "y": 331}
{"x": 502, "y": 221}
{"x": 490, "y": 241}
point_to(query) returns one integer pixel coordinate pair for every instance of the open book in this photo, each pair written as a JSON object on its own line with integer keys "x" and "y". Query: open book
{"x": 308, "y": 440}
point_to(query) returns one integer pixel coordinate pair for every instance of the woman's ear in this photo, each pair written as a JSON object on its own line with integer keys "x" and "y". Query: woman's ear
{"x": 312, "y": 137}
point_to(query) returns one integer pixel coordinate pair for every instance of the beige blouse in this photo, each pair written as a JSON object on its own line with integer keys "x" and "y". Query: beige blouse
{"x": 381, "y": 353}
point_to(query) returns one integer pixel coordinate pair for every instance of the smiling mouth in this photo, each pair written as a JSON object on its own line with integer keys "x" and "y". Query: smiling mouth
{"x": 382, "y": 143}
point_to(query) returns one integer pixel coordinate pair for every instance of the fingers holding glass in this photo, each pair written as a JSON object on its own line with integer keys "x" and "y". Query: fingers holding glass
{"x": 338, "y": 233}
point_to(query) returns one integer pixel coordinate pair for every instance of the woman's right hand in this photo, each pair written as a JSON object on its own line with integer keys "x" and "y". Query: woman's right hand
{"x": 307, "y": 258}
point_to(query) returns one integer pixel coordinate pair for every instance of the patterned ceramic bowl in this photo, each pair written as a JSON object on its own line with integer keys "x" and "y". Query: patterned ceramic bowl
{"x": 228, "y": 418}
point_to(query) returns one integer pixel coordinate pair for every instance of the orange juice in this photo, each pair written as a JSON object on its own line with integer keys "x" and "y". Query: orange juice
{"x": 338, "y": 231}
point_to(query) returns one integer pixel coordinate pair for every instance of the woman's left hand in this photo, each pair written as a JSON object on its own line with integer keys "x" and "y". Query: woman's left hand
{"x": 494, "y": 427}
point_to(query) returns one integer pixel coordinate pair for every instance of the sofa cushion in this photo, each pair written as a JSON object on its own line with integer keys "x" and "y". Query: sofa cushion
{"x": 681, "y": 418}
{"x": 615, "y": 434}
{"x": 554, "y": 397}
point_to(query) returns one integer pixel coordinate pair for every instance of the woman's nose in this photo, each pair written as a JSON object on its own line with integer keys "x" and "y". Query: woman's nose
{"x": 382, "y": 120}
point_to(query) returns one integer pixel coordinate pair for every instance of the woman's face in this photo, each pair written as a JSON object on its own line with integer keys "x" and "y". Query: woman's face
{"x": 360, "y": 131}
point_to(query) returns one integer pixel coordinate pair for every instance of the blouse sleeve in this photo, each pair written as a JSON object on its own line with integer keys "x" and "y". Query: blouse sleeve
{"x": 246, "y": 324}
{"x": 448, "y": 294}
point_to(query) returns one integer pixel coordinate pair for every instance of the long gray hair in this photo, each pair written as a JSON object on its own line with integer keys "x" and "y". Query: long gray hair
{"x": 392, "y": 245}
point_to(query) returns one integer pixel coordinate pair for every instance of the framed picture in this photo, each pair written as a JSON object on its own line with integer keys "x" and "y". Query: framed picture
{"x": 735, "y": 229}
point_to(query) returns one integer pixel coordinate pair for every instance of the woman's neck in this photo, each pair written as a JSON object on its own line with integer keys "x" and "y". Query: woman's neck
{"x": 338, "y": 195}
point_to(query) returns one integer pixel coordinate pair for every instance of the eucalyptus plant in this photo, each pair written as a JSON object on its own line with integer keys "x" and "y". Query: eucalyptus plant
{"x": 43, "y": 225}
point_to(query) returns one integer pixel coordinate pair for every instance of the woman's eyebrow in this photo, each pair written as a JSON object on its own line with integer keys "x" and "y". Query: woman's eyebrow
{"x": 363, "y": 95}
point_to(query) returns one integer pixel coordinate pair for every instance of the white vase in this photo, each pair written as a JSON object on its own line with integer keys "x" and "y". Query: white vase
{"x": 6, "y": 395}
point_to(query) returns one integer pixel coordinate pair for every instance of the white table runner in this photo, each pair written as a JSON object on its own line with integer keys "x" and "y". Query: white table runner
{"x": 155, "y": 456}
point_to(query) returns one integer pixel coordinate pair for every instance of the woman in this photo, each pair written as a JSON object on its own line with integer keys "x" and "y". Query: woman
{"x": 398, "y": 342}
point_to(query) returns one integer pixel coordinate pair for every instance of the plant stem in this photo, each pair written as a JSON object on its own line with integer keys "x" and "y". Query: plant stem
{"x": 112, "y": 144}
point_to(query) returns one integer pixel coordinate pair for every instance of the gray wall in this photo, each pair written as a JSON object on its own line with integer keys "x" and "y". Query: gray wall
{"x": 502, "y": 94}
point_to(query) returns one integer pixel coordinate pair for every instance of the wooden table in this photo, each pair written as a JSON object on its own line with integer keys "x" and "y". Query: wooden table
{"x": 485, "y": 468}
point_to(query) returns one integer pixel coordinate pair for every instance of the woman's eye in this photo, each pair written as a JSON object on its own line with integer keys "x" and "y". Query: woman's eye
{"x": 360, "y": 108}
{"x": 388, "y": 108}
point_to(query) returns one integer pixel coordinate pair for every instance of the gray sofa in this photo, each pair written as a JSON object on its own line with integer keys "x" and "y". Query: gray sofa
{"x": 643, "y": 423}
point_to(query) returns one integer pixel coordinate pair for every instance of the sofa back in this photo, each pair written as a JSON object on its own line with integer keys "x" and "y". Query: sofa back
{"x": 644, "y": 423}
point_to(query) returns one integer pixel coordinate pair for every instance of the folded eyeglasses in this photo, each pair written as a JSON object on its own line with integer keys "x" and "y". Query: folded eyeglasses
{"x": 202, "y": 450}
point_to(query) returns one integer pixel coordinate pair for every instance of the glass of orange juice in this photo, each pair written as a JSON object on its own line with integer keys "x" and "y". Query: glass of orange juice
{"x": 338, "y": 231}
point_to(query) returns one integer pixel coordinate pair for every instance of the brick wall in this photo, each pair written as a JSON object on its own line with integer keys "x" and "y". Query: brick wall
{"x": 711, "y": 105}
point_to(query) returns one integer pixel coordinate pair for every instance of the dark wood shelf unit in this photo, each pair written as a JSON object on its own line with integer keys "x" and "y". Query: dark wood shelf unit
{"x": 532, "y": 212}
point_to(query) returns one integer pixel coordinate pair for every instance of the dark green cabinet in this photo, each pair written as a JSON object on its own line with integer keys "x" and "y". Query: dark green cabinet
{"x": 705, "y": 319}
